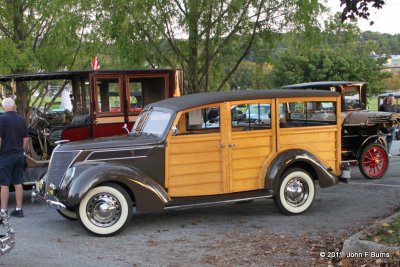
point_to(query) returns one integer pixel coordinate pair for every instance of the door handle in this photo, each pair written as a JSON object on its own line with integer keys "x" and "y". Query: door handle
{"x": 231, "y": 145}
{"x": 221, "y": 146}
{"x": 95, "y": 121}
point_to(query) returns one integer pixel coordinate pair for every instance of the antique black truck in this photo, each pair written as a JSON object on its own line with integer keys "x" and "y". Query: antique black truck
{"x": 363, "y": 131}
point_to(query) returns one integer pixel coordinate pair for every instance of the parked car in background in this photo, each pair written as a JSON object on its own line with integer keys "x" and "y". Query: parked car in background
{"x": 105, "y": 103}
{"x": 174, "y": 158}
{"x": 363, "y": 131}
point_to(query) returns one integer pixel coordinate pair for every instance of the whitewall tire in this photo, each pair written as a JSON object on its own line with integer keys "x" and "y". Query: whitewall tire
{"x": 105, "y": 210}
{"x": 68, "y": 214}
{"x": 296, "y": 192}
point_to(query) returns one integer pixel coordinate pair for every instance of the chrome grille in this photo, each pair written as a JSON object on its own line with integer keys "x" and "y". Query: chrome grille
{"x": 59, "y": 163}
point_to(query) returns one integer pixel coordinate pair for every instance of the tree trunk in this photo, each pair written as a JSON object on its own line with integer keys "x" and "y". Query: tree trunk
{"x": 22, "y": 100}
{"x": 193, "y": 47}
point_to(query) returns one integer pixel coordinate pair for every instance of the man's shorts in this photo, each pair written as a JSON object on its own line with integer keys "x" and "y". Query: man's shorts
{"x": 11, "y": 169}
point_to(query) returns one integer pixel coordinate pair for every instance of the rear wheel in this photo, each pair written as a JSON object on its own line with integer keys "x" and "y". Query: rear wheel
{"x": 296, "y": 192}
{"x": 105, "y": 210}
{"x": 373, "y": 161}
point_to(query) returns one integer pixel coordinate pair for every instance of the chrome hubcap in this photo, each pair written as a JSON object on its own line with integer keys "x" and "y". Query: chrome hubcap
{"x": 296, "y": 192}
{"x": 103, "y": 210}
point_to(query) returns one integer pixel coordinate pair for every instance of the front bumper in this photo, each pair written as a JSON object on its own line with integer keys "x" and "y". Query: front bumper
{"x": 7, "y": 240}
{"x": 38, "y": 195}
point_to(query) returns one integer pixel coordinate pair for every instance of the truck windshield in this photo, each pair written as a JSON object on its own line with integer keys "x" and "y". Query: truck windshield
{"x": 152, "y": 121}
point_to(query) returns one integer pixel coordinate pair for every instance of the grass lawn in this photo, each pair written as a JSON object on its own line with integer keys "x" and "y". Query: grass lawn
{"x": 372, "y": 103}
{"x": 387, "y": 233}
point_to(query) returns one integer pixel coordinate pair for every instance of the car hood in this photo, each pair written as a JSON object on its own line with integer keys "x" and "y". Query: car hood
{"x": 111, "y": 142}
{"x": 366, "y": 117}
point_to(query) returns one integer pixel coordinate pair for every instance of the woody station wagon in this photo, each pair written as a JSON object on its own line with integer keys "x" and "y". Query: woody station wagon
{"x": 201, "y": 149}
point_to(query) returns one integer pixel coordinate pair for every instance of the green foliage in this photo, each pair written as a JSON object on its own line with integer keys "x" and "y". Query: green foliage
{"x": 384, "y": 43}
{"x": 41, "y": 35}
{"x": 386, "y": 233}
{"x": 251, "y": 76}
{"x": 334, "y": 54}
{"x": 208, "y": 39}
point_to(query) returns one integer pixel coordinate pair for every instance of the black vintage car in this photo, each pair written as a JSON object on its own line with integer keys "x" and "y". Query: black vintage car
{"x": 180, "y": 155}
{"x": 363, "y": 131}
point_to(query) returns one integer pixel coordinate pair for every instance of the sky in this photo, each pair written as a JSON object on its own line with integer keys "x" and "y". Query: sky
{"x": 386, "y": 20}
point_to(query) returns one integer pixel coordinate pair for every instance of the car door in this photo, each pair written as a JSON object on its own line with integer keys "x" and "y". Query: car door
{"x": 195, "y": 153}
{"x": 109, "y": 105}
{"x": 250, "y": 142}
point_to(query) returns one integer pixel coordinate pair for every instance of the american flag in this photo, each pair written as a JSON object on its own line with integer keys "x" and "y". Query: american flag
{"x": 95, "y": 63}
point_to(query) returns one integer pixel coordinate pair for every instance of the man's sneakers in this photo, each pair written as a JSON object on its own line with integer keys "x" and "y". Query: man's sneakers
{"x": 17, "y": 213}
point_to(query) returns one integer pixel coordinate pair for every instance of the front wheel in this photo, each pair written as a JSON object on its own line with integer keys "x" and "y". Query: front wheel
{"x": 105, "y": 210}
{"x": 68, "y": 213}
{"x": 296, "y": 192}
{"x": 373, "y": 161}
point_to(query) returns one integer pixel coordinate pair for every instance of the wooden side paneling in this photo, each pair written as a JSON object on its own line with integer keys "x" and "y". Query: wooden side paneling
{"x": 195, "y": 165}
{"x": 322, "y": 141}
{"x": 248, "y": 154}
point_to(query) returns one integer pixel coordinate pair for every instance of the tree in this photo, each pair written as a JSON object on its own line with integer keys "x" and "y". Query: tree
{"x": 336, "y": 54}
{"x": 359, "y": 8}
{"x": 41, "y": 35}
{"x": 208, "y": 39}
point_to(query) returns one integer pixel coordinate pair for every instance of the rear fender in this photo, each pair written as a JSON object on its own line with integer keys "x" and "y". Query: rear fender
{"x": 302, "y": 159}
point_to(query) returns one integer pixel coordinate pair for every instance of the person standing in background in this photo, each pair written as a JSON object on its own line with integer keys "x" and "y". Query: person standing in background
{"x": 14, "y": 140}
{"x": 389, "y": 105}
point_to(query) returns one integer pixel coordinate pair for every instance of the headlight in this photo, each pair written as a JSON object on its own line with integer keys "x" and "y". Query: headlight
{"x": 68, "y": 176}
{"x": 41, "y": 183}
{"x": 52, "y": 189}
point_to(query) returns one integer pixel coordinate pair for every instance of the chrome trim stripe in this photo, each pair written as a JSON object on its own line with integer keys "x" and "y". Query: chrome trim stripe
{"x": 216, "y": 202}
{"x": 119, "y": 150}
{"x": 164, "y": 197}
{"x": 108, "y": 159}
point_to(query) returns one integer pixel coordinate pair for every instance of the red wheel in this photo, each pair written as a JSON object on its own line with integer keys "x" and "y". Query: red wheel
{"x": 373, "y": 161}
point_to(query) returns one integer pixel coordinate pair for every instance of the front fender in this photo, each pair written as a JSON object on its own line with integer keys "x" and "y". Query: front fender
{"x": 302, "y": 159}
{"x": 148, "y": 195}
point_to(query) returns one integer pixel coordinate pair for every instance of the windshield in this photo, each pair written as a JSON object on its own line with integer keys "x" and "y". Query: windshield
{"x": 152, "y": 121}
{"x": 352, "y": 98}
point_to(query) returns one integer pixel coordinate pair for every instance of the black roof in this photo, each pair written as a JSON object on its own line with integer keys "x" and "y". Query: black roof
{"x": 195, "y": 100}
{"x": 69, "y": 75}
{"x": 395, "y": 94}
{"x": 321, "y": 84}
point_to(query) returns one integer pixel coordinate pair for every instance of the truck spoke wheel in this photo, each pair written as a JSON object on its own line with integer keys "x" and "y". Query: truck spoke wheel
{"x": 373, "y": 161}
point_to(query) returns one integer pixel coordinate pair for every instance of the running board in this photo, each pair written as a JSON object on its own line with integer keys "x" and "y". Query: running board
{"x": 189, "y": 202}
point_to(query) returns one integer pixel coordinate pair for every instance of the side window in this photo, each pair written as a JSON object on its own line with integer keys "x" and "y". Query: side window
{"x": 247, "y": 117}
{"x": 200, "y": 121}
{"x": 108, "y": 95}
{"x": 352, "y": 98}
{"x": 135, "y": 96}
{"x": 312, "y": 113}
